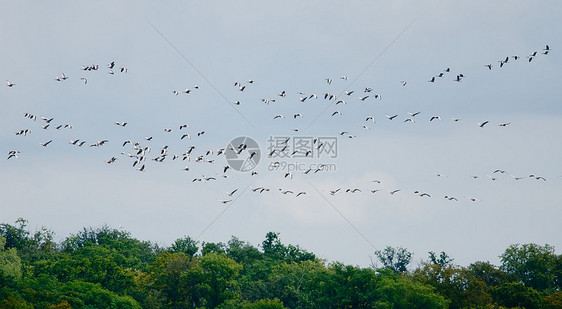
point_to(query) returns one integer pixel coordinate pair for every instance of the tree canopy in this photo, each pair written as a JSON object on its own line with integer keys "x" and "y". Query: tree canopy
{"x": 108, "y": 268}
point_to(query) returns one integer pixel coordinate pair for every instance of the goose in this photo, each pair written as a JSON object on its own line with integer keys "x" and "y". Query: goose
{"x": 403, "y": 82}
{"x": 451, "y": 198}
{"x": 363, "y": 98}
{"x": 47, "y": 120}
{"x": 300, "y": 193}
{"x": 231, "y": 193}
{"x": 123, "y": 70}
{"x": 74, "y": 142}
{"x": 45, "y": 127}
{"x": 253, "y": 173}
{"x": 343, "y": 132}
{"x": 447, "y": 70}
{"x": 375, "y": 191}
{"x": 455, "y": 119}
{"x": 432, "y": 80}
{"x": 81, "y": 143}
{"x": 282, "y": 94}
{"x": 377, "y": 96}
{"x": 176, "y": 92}
{"x": 395, "y": 191}
{"x": 113, "y": 159}
{"x": 353, "y": 190}
{"x": 537, "y": 177}
{"x": 458, "y": 79}
{"x": 46, "y": 143}
{"x": 482, "y": 124}
{"x": 242, "y": 88}
{"x": 489, "y": 66}
{"x": 440, "y": 75}
{"x": 333, "y": 192}
{"x": 186, "y": 135}
{"x": 421, "y": 194}
{"x": 13, "y": 154}
{"x": 547, "y": 47}
{"x": 9, "y": 84}
{"x": 365, "y": 127}
{"x": 141, "y": 169}
{"x": 504, "y": 124}
{"x": 302, "y": 99}
{"x": 370, "y": 118}
{"x": 225, "y": 201}
{"x": 409, "y": 119}
{"x": 286, "y": 191}
{"x": 435, "y": 117}
{"x": 391, "y": 117}
{"x": 346, "y": 78}
{"x": 328, "y": 80}
{"x": 340, "y": 102}
{"x": 297, "y": 115}
{"x": 414, "y": 114}
{"x": 99, "y": 143}
{"x": 349, "y": 92}
{"x": 200, "y": 133}
{"x": 278, "y": 116}
{"x": 368, "y": 89}
{"x": 473, "y": 199}
{"x": 111, "y": 65}
{"x": 122, "y": 124}
{"x": 184, "y": 126}
{"x": 336, "y": 112}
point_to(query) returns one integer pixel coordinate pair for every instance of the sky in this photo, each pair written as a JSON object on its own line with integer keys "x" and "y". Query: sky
{"x": 295, "y": 47}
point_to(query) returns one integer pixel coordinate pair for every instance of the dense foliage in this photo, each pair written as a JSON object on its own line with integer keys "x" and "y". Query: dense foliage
{"x": 107, "y": 268}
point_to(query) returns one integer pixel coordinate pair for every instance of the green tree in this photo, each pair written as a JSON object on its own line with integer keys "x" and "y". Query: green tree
{"x": 533, "y": 265}
{"x": 396, "y": 259}
{"x": 221, "y": 273}
{"x": 516, "y": 294}
{"x": 401, "y": 292}
{"x": 185, "y": 245}
{"x": 162, "y": 282}
{"x": 455, "y": 283}
{"x": 10, "y": 264}
{"x": 488, "y": 273}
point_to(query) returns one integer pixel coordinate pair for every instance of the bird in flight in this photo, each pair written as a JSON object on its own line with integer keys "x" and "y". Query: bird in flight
{"x": 482, "y": 124}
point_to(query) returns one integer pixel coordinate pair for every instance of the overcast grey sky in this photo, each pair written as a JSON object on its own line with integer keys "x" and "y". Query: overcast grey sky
{"x": 291, "y": 46}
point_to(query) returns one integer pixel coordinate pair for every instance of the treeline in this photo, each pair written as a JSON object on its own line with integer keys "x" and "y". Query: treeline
{"x": 107, "y": 268}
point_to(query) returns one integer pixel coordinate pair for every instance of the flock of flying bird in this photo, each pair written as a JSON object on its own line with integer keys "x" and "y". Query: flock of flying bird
{"x": 140, "y": 152}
